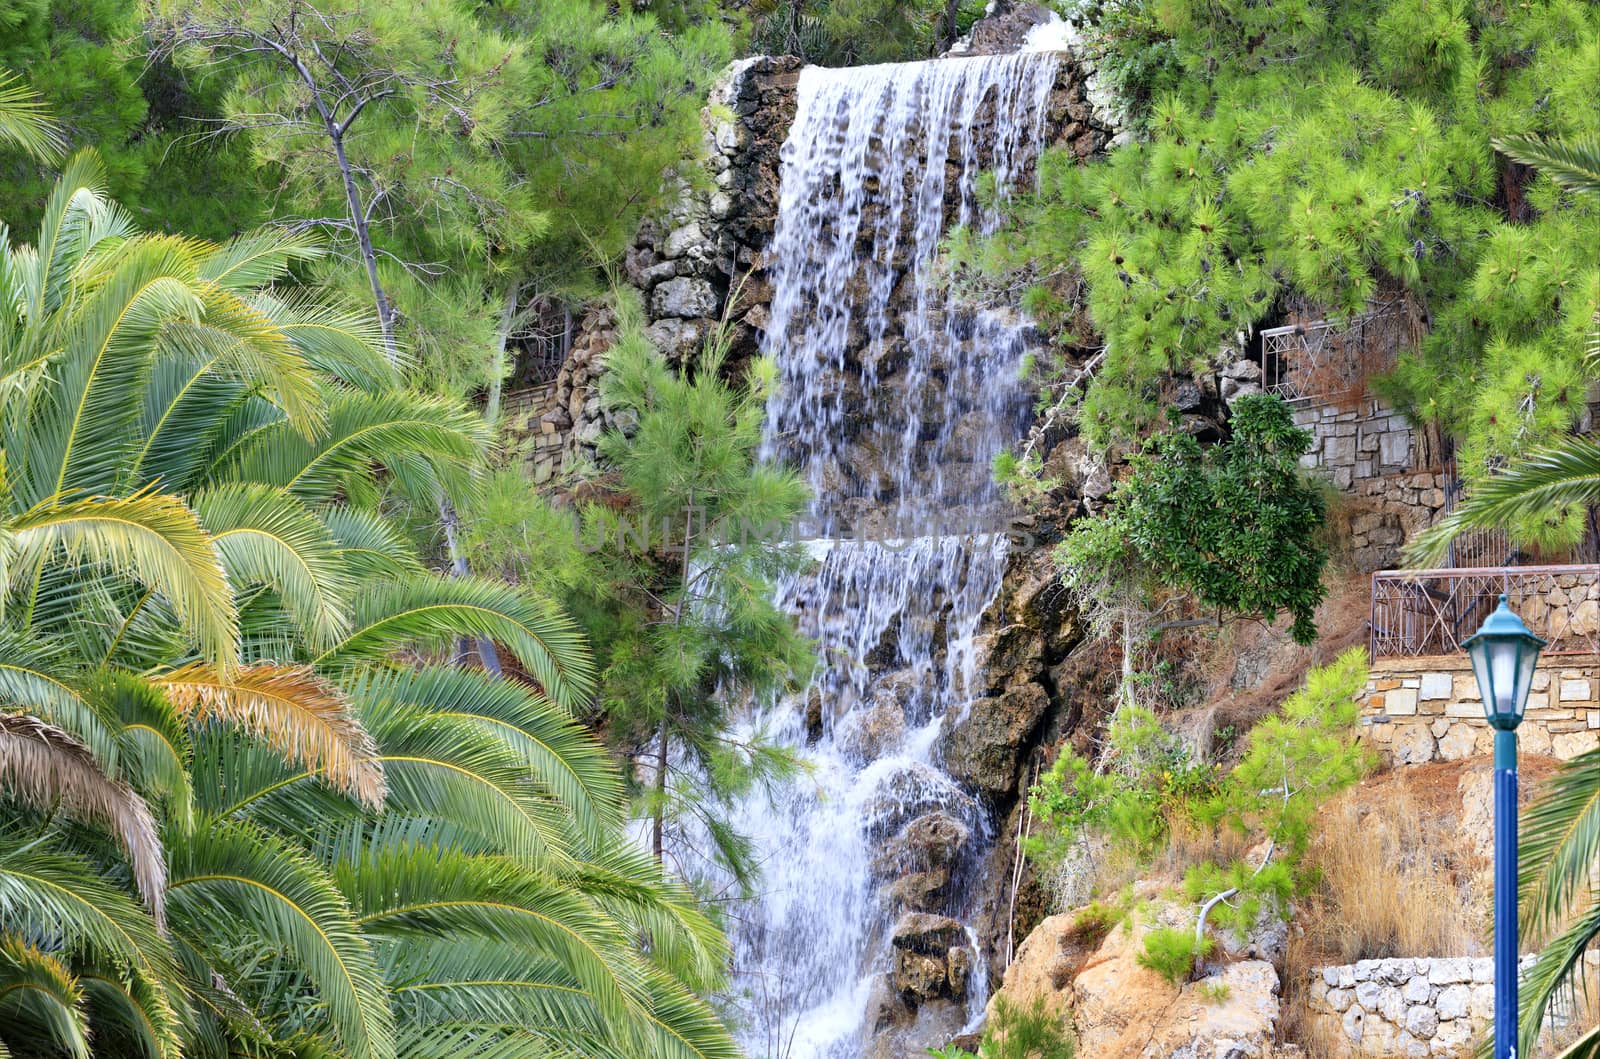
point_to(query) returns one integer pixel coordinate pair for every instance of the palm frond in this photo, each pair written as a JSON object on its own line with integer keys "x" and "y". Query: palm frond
{"x": 404, "y": 889}
{"x": 555, "y": 751}
{"x": 301, "y": 716}
{"x": 1574, "y": 165}
{"x": 1556, "y": 976}
{"x": 434, "y": 611}
{"x": 43, "y": 767}
{"x": 1560, "y": 844}
{"x": 454, "y": 771}
{"x": 365, "y": 431}
{"x": 51, "y": 895}
{"x": 130, "y": 1017}
{"x": 266, "y": 536}
{"x": 371, "y": 546}
{"x": 1563, "y": 474}
{"x": 230, "y": 871}
{"x": 156, "y": 538}
{"x": 26, "y": 122}
{"x": 38, "y": 991}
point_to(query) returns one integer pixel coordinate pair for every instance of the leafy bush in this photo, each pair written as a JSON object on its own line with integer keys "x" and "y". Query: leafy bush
{"x": 1236, "y": 525}
{"x": 1171, "y": 952}
{"x": 1149, "y": 773}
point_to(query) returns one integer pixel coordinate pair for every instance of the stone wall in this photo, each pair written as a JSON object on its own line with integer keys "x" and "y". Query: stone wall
{"x": 1414, "y": 1007}
{"x": 1416, "y": 710}
{"x": 684, "y": 263}
{"x": 1367, "y": 452}
{"x": 1369, "y": 440}
{"x": 1402, "y": 1007}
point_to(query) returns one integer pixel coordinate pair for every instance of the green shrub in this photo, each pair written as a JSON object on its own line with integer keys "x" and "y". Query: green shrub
{"x": 1035, "y": 1033}
{"x": 1095, "y": 920}
{"x": 1171, "y": 952}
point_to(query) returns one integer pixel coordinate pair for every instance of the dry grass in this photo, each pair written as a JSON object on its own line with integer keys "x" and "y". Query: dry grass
{"x": 1189, "y": 844}
{"x": 1388, "y": 889}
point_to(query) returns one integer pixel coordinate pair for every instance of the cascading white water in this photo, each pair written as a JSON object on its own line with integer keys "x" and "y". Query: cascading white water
{"x": 893, "y": 403}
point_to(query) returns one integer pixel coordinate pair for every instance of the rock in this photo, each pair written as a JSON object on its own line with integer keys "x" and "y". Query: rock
{"x": 1015, "y": 656}
{"x": 924, "y": 933}
{"x": 1003, "y": 29}
{"x": 929, "y": 1025}
{"x": 984, "y": 751}
{"x": 958, "y": 969}
{"x": 1421, "y": 1021}
{"x": 919, "y": 975}
{"x": 684, "y": 297}
{"x": 677, "y": 340}
{"x": 1413, "y": 745}
{"x": 868, "y": 733}
{"x": 1453, "y": 1002}
{"x": 919, "y": 891}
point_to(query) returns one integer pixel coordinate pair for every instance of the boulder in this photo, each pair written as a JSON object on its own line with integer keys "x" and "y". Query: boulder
{"x": 684, "y": 297}
{"x": 1118, "y": 1009}
{"x": 931, "y": 842}
{"x": 984, "y": 751}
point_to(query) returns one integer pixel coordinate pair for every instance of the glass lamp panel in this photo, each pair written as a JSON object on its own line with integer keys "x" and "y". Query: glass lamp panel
{"x": 1484, "y": 672}
{"x": 1527, "y": 659}
{"x": 1503, "y": 655}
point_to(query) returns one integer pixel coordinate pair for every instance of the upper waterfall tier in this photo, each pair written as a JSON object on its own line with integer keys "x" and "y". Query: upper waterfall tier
{"x": 893, "y": 399}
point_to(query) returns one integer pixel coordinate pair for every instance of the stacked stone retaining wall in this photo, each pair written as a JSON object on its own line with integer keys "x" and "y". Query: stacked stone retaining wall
{"x": 1416, "y": 710}
{"x": 1429, "y": 1006}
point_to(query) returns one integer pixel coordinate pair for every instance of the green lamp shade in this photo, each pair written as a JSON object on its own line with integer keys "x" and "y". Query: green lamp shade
{"x": 1504, "y": 653}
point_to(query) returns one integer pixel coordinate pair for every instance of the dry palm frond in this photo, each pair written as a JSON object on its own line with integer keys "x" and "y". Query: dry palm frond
{"x": 294, "y": 711}
{"x": 45, "y": 767}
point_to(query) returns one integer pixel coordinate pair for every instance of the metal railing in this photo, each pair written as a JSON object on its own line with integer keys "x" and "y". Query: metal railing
{"x": 1320, "y": 359}
{"x": 1429, "y": 612}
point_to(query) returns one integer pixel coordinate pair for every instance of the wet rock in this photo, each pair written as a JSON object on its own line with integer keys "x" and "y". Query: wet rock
{"x": 928, "y": 934}
{"x": 930, "y": 957}
{"x": 920, "y": 975}
{"x": 931, "y": 843}
{"x": 932, "y": 1024}
{"x": 984, "y": 751}
{"x": 920, "y": 891}
{"x": 1015, "y": 656}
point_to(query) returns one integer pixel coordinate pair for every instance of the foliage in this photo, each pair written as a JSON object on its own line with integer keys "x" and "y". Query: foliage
{"x": 1146, "y": 772}
{"x": 851, "y": 32}
{"x": 1341, "y": 154}
{"x": 152, "y": 126}
{"x": 1018, "y": 1033}
{"x": 672, "y": 574}
{"x": 1557, "y": 889}
{"x": 1236, "y": 524}
{"x": 1293, "y": 761}
{"x": 1171, "y": 952}
{"x": 243, "y": 813}
{"x": 465, "y": 160}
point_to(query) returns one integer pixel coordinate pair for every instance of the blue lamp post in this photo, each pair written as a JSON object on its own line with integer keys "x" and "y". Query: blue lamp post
{"x": 1504, "y": 653}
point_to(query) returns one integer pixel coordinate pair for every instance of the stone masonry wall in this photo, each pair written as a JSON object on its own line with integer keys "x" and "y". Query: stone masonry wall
{"x": 1416, "y": 710}
{"x": 1414, "y": 1007}
{"x": 1367, "y": 452}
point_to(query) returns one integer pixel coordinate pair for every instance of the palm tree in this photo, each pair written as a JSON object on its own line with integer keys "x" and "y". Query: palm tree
{"x": 1559, "y": 884}
{"x": 249, "y": 806}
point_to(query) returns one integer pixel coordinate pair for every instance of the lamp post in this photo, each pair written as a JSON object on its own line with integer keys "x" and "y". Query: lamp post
{"x": 1504, "y": 653}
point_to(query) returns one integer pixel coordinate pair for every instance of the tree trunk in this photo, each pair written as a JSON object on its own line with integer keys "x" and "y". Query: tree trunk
{"x": 658, "y": 825}
{"x": 497, "y": 365}
{"x": 369, "y": 254}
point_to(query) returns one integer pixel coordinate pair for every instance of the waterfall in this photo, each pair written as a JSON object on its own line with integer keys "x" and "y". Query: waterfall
{"x": 893, "y": 402}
